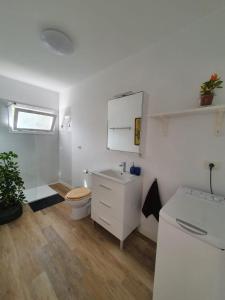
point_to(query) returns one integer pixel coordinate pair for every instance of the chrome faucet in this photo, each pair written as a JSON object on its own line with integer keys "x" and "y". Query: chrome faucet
{"x": 124, "y": 165}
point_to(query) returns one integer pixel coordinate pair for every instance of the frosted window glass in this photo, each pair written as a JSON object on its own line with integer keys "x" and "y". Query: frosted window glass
{"x": 32, "y": 121}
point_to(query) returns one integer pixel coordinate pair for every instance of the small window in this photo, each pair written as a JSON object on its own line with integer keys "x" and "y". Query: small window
{"x": 29, "y": 119}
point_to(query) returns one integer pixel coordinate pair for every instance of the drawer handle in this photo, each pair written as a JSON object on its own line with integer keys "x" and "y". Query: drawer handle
{"x": 105, "y": 187}
{"x": 107, "y": 205}
{"x": 105, "y": 221}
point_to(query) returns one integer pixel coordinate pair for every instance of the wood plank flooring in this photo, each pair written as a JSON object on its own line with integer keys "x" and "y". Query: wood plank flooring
{"x": 45, "y": 255}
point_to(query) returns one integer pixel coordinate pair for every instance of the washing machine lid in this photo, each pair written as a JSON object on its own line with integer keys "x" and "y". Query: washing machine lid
{"x": 198, "y": 213}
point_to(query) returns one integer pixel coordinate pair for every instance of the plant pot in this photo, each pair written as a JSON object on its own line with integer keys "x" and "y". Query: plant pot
{"x": 8, "y": 214}
{"x": 206, "y": 99}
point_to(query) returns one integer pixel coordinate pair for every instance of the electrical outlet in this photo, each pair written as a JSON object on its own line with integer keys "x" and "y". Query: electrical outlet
{"x": 216, "y": 164}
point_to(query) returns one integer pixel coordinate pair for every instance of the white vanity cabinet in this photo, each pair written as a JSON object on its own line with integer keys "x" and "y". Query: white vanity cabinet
{"x": 116, "y": 205}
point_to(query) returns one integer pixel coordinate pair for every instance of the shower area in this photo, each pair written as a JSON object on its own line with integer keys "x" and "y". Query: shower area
{"x": 32, "y": 133}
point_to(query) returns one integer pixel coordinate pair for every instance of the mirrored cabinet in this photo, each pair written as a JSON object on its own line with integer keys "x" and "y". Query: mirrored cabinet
{"x": 124, "y": 123}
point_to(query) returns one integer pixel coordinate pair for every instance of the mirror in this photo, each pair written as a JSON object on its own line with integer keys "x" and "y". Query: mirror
{"x": 124, "y": 123}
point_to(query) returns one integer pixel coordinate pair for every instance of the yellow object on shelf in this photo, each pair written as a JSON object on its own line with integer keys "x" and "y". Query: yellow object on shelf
{"x": 137, "y": 132}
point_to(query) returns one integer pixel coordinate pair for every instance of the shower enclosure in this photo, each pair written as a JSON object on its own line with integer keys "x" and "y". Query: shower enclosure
{"x": 31, "y": 133}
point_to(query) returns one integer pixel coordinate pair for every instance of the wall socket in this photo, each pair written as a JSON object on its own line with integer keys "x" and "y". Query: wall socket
{"x": 216, "y": 164}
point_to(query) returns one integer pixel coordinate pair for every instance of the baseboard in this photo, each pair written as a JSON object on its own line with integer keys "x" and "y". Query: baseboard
{"x": 146, "y": 238}
{"x": 145, "y": 235}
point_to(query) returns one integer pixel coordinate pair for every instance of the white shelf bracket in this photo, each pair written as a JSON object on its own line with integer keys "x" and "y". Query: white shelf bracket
{"x": 164, "y": 125}
{"x": 219, "y": 122}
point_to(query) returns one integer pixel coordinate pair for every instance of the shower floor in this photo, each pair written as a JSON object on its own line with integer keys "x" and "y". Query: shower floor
{"x": 38, "y": 193}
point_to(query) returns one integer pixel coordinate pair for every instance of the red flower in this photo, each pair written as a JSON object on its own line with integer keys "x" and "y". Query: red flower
{"x": 214, "y": 77}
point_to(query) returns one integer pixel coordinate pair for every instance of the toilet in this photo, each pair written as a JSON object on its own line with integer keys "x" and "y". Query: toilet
{"x": 80, "y": 199}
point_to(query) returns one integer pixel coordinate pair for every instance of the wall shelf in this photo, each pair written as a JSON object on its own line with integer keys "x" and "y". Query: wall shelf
{"x": 218, "y": 110}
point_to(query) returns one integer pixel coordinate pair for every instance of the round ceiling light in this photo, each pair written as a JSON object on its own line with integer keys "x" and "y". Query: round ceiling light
{"x": 57, "y": 41}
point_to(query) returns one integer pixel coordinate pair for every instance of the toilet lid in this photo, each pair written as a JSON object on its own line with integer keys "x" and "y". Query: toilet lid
{"x": 78, "y": 193}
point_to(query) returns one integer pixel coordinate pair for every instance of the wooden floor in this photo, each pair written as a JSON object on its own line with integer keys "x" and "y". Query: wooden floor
{"x": 45, "y": 255}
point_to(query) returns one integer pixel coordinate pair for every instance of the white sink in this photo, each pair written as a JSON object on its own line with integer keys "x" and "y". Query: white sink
{"x": 115, "y": 175}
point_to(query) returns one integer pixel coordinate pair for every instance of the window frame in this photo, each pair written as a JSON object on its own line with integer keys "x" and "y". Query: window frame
{"x": 14, "y": 113}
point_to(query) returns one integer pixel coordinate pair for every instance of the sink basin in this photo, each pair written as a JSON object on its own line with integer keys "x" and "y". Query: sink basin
{"x": 115, "y": 175}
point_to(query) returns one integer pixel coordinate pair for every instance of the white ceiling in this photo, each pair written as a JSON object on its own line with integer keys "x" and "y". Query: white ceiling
{"x": 103, "y": 31}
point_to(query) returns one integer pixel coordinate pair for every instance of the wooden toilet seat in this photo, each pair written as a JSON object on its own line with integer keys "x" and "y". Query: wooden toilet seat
{"x": 78, "y": 193}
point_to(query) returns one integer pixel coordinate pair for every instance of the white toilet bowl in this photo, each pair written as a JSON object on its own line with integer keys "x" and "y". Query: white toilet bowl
{"x": 80, "y": 201}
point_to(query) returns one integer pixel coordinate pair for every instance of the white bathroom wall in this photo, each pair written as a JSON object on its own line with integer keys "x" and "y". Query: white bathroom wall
{"x": 38, "y": 154}
{"x": 26, "y": 93}
{"x": 170, "y": 73}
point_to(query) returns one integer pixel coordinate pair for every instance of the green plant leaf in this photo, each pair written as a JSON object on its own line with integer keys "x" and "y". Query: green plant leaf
{"x": 11, "y": 183}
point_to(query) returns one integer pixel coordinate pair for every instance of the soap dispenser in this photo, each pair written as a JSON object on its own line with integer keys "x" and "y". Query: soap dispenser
{"x": 132, "y": 169}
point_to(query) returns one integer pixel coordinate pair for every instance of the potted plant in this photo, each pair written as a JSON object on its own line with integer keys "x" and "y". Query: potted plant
{"x": 11, "y": 188}
{"x": 208, "y": 87}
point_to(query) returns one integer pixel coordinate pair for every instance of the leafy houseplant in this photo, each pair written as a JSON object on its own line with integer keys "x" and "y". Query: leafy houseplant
{"x": 208, "y": 87}
{"x": 11, "y": 188}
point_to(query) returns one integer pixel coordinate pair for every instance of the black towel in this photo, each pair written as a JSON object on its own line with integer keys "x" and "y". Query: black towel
{"x": 152, "y": 203}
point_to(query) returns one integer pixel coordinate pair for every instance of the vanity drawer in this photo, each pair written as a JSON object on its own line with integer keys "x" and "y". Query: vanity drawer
{"x": 108, "y": 222}
{"x": 108, "y": 207}
{"x": 108, "y": 195}
{"x": 107, "y": 187}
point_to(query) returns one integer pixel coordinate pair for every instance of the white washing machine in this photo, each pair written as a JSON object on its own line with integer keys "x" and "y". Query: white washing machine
{"x": 190, "y": 260}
